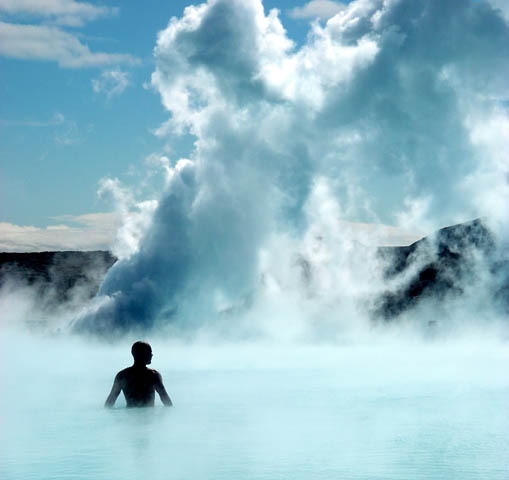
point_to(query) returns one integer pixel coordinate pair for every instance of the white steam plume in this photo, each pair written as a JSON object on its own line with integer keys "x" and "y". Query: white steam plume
{"x": 381, "y": 115}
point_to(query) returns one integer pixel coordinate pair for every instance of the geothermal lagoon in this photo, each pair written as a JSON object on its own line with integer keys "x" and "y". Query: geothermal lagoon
{"x": 258, "y": 411}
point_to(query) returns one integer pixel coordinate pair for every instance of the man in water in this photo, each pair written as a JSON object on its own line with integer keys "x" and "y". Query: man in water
{"x": 138, "y": 382}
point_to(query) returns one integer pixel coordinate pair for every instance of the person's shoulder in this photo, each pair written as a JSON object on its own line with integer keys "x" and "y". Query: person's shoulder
{"x": 124, "y": 372}
{"x": 154, "y": 372}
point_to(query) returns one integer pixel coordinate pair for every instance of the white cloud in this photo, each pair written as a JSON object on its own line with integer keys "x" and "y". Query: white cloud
{"x": 40, "y": 42}
{"x": 47, "y": 41}
{"x": 379, "y": 235}
{"x": 68, "y": 134}
{"x": 65, "y": 132}
{"x": 111, "y": 82}
{"x": 322, "y": 9}
{"x": 93, "y": 231}
{"x": 56, "y": 119}
{"x": 63, "y": 12}
{"x": 502, "y": 5}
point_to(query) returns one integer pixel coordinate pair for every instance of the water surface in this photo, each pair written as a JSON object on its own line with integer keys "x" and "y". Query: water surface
{"x": 259, "y": 412}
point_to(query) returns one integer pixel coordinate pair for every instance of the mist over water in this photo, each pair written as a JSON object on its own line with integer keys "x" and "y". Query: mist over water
{"x": 254, "y": 273}
{"x": 258, "y": 411}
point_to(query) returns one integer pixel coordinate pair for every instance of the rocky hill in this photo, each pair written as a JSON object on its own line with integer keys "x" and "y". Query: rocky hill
{"x": 58, "y": 276}
{"x": 442, "y": 265}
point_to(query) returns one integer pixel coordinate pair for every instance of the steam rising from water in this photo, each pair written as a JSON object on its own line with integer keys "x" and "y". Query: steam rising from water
{"x": 394, "y": 112}
{"x": 374, "y": 411}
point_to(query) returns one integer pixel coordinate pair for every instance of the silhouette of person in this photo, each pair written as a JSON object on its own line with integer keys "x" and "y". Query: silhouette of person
{"x": 138, "y": 382}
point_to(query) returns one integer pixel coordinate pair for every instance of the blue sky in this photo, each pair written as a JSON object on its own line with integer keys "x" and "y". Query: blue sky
{"x": 59, "y": 137}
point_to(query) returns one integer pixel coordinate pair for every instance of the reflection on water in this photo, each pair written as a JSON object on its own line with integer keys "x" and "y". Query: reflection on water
{"x": 255, "y": 413}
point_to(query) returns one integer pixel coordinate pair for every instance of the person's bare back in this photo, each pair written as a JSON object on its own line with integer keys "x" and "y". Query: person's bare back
{"x": 138, "y": 382}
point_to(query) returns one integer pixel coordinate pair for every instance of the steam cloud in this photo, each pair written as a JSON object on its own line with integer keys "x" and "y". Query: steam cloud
{"x": 393, "y": 112}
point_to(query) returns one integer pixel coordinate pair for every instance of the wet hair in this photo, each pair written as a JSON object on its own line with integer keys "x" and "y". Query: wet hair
{"x": 139, "y": 349}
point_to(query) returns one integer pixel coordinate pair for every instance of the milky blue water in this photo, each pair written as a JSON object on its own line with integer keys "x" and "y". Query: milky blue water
{"x": 258, "y": 412}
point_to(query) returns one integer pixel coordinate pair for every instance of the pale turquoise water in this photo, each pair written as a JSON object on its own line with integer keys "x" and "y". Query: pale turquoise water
{"x": 254, "y": 412}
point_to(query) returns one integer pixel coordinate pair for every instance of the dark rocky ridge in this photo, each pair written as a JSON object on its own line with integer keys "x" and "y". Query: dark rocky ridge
{"x": 56, "y": 277}
{"x": 442, "y": 265}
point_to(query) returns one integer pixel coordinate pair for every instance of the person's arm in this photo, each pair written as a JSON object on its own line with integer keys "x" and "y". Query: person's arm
{"x": 163, "y": 395}
{"x": 115, "y": 391}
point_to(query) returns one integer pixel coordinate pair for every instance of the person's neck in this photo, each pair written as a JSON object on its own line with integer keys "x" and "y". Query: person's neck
{"x": 139, "y": 365}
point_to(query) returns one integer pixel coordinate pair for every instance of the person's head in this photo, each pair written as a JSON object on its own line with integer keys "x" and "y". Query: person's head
{"x": 142, "y": 352}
